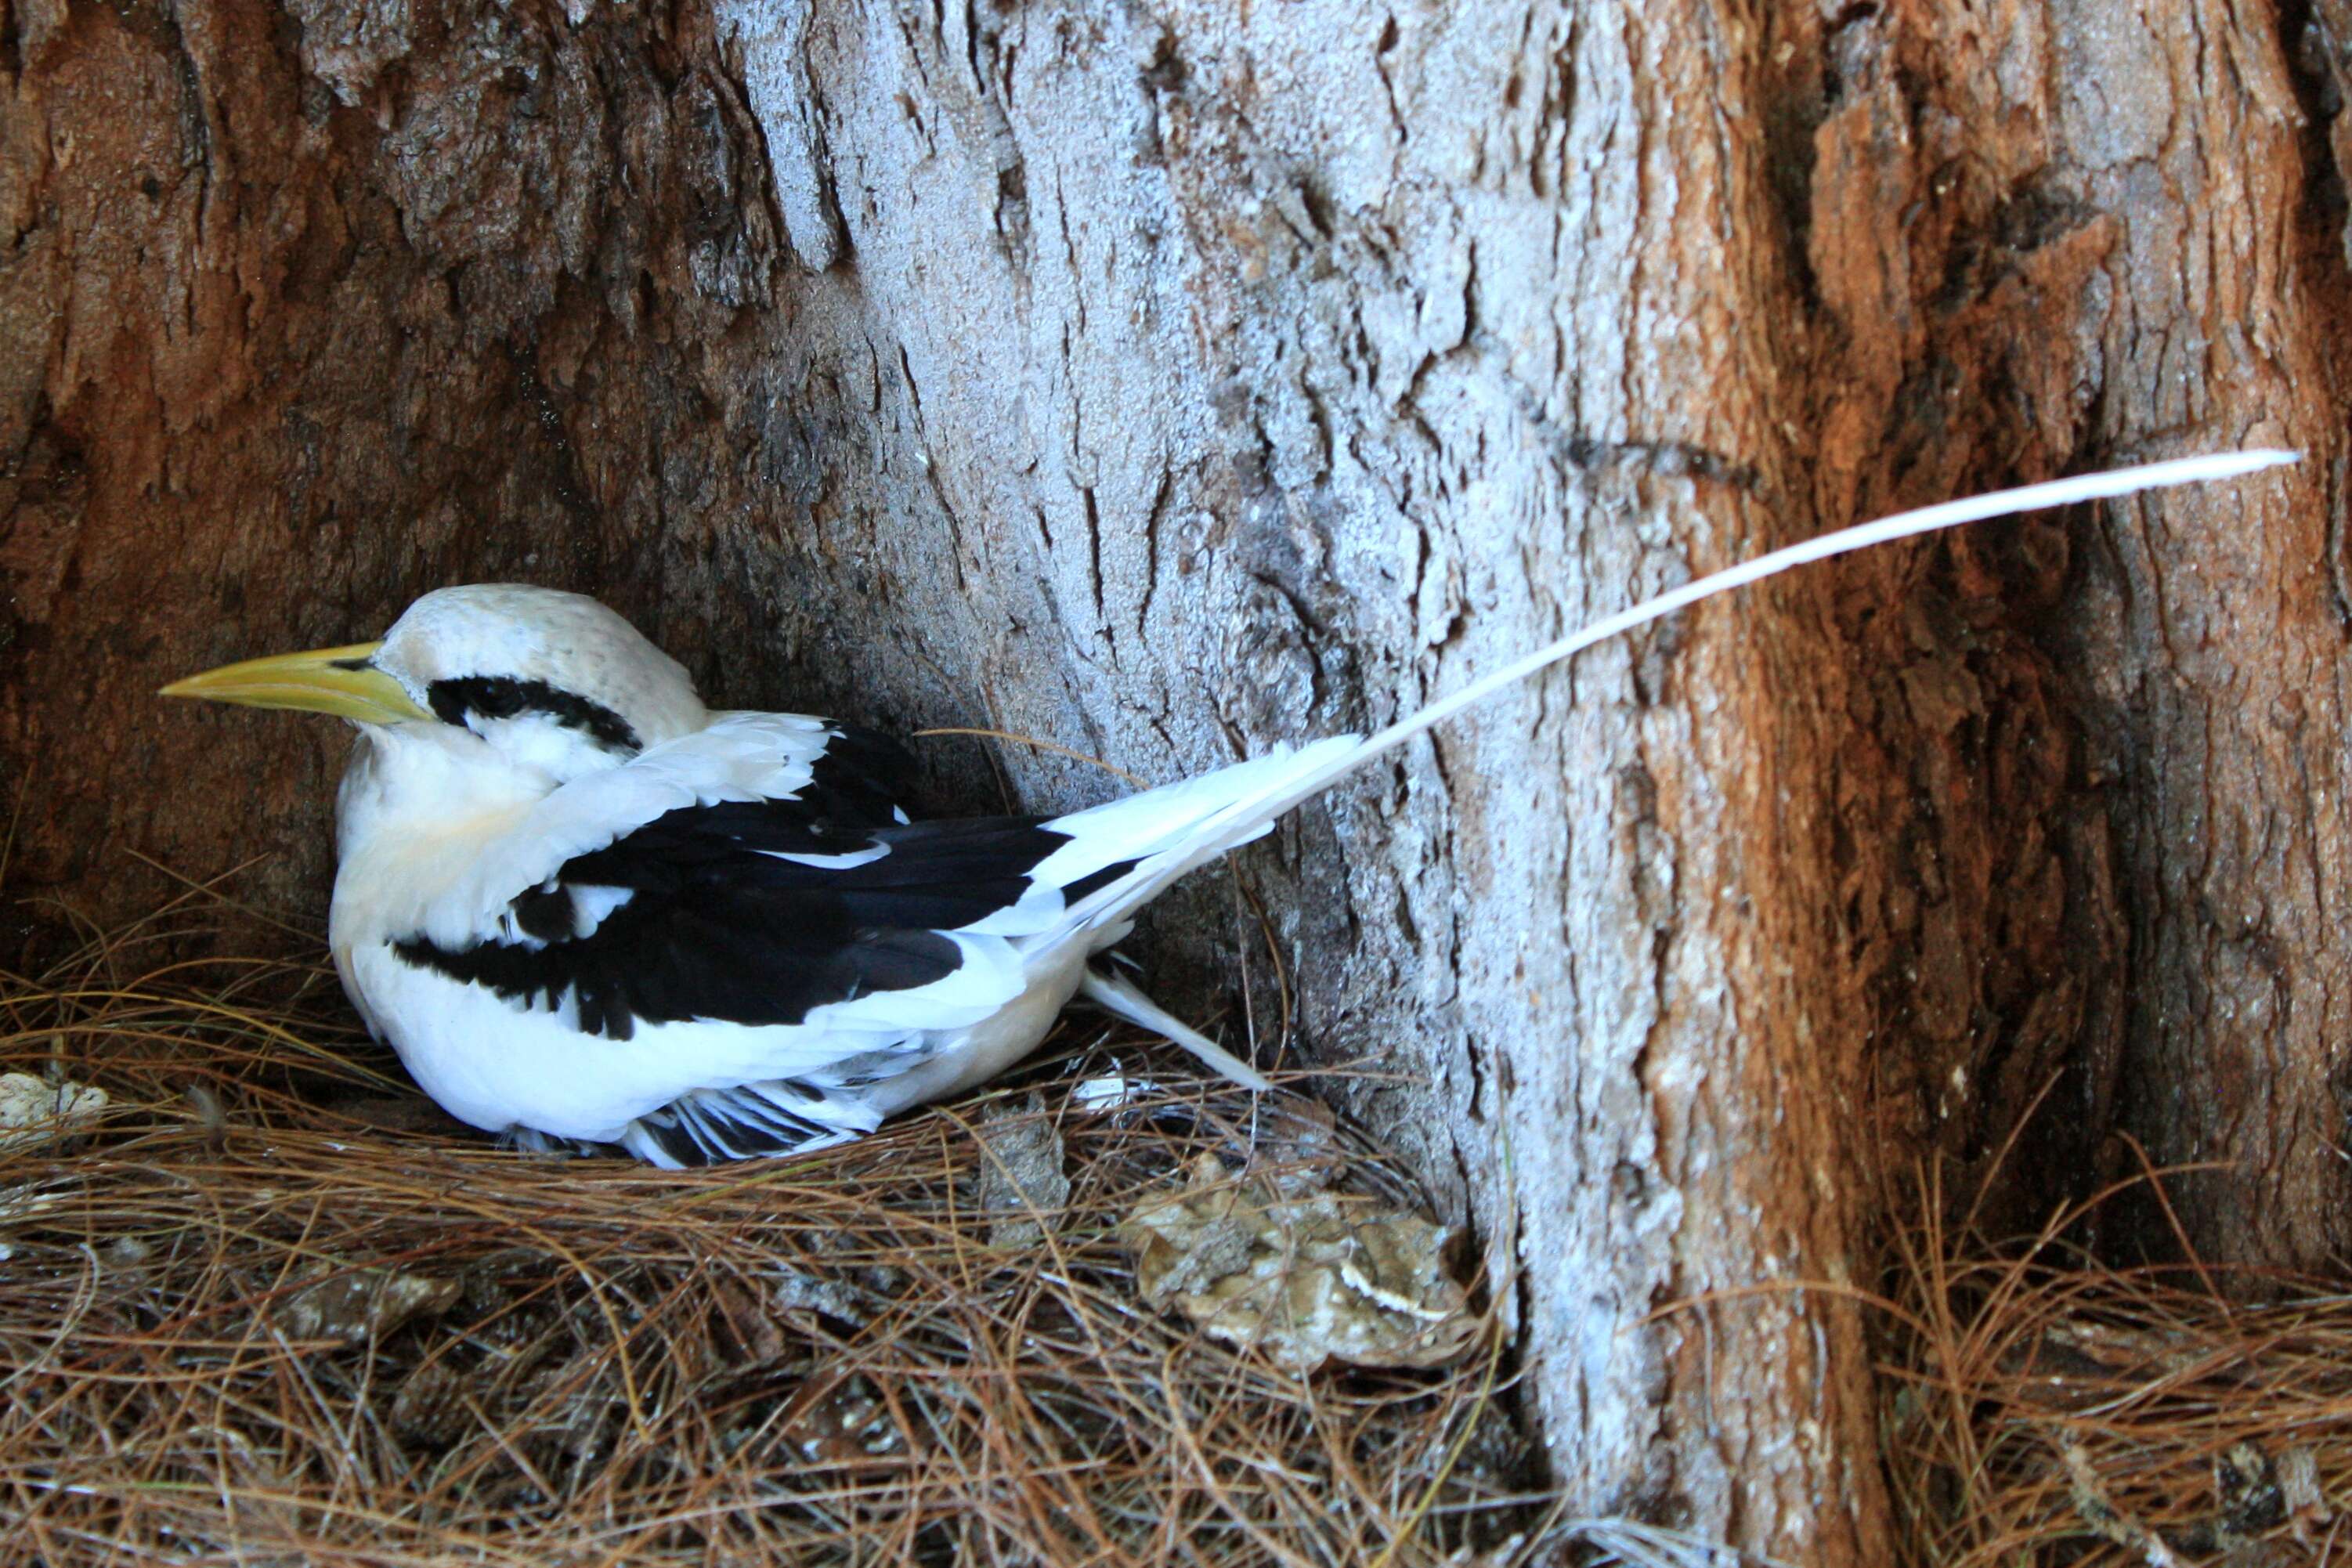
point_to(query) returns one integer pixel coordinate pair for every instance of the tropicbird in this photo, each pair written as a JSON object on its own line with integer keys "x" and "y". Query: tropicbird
{"x": 586, "y": 910}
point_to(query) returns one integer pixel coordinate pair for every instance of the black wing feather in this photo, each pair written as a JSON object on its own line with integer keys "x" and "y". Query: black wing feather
{"x": 715, "y": 926}
{"x": 860, "y": 778}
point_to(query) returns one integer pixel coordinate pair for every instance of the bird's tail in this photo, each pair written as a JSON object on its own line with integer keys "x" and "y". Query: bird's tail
{"x": 1183, "y": 826}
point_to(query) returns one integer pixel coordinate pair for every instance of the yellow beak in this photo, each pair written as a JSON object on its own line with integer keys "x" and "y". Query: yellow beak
{"x": 338, "y": 681}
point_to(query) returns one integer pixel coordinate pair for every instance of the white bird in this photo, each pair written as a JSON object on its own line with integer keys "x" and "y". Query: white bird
{"x": 587, "y": 910}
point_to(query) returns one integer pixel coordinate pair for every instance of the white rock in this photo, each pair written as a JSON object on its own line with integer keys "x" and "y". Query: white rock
{"x": 34, "y": 1111}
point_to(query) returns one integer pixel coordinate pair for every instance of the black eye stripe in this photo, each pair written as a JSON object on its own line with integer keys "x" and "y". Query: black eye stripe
{"x": 504, "y": 697}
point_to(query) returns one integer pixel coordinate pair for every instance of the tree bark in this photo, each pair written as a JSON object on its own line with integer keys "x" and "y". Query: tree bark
{"x": 1171, "y": 381}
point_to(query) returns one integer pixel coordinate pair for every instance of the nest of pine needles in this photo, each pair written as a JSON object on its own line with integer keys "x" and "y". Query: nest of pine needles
{"x": 267, "y": 1306}
{"x": 2045, "y": 1408}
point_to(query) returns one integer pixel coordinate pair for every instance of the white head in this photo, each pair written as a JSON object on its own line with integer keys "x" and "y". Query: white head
{"x": 552, "y": 681}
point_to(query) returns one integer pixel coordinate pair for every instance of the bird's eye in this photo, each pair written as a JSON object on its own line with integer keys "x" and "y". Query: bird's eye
{"x": 461, "y": 699}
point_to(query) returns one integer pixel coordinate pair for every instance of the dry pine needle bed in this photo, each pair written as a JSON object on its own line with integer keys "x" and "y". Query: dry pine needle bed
{"x": 2042, "y": 1408}
{"x": 247, "y": 1319}
{"x": 263, "y": 1305}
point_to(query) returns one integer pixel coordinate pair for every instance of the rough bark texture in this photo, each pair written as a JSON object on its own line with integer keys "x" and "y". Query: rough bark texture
{"x": 1170, "y": 379}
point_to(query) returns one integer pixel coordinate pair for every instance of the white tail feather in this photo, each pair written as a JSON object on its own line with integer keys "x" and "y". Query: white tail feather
{"x": 1117, "y": 996}
{"x": 1320, "y": 765}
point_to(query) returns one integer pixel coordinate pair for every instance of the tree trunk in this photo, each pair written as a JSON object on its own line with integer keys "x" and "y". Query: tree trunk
{"x": 1168, "y": 382}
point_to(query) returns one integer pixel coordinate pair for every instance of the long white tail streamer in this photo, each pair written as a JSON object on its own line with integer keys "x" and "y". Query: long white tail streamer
{"x": 1320, "y": 766}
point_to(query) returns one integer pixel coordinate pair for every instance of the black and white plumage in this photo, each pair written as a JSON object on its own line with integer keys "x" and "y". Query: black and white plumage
{"x": 588, "y": 910}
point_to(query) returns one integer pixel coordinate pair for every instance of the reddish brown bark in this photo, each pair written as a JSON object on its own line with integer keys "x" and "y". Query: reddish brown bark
{"x": 278, "y": 348}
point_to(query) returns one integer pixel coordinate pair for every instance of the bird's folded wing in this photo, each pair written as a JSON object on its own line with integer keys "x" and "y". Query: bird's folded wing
{"x": 745, "y": 875}
{"x": 734, "y": 881}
